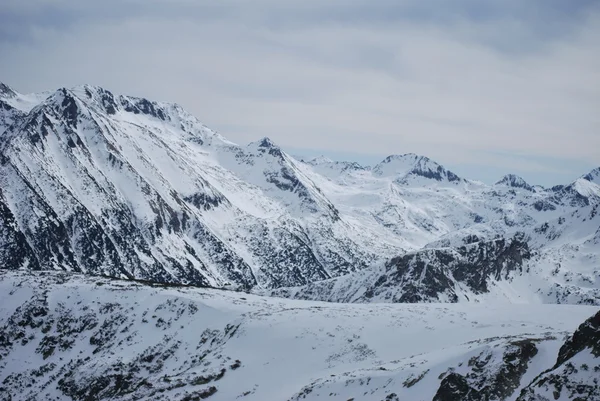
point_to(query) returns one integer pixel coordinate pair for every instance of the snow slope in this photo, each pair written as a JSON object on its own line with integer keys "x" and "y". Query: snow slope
{"x": 65, "y": 336}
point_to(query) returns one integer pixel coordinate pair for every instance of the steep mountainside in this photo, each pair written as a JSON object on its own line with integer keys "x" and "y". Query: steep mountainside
{"x": 107, "y": 184}
{"x": 429, "y": 275}
{"x": 73, "y": 337}
{"x": 576, "y": 373}
{"x": 125, "y": 187}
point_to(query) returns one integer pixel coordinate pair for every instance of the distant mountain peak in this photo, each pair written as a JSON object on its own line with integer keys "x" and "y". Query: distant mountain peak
{"x": 404, "y": 157}
{"x": 318, "y": 160}
{"x": 266, "y": 142}
{"x": 341, "y": 166}
{"x": 267, "y": 146}
{"x": 514, "y": 181}
{"x": 411, "y": 164}
{"x": 585, "y": 187}
{"x": 6, "y": 91}
{"x": 593, "y": 176}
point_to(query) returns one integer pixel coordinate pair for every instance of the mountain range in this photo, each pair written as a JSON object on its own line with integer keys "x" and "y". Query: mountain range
{"x": 121, "y": 186}
{"x": 145, "y": 256}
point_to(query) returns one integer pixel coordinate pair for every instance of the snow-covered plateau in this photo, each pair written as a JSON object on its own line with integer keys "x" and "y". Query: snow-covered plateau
{"x": 144, "y": 256}
{"x": 75, "y": 337}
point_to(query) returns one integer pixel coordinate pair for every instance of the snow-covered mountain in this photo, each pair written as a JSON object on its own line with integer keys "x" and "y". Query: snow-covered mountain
{"x": 75, "y": 337}
{"x": 411, "y": 168}
{"x": 467, "y": 241}
{"x": 126, "y": 187}
{"x": 115, "y": 185}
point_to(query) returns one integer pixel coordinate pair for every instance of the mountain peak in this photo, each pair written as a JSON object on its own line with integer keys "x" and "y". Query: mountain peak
{"x": 64, "y": 102}
{"x": 400, "y": 163}
{"x": 315, "y": 161}
{"x": 411, "y": 164}
{"x": 514, "y": 181}
{"x": 98, "y": 96}
{"x": 104, "y": 100}
{"x": 266, "y": 142}
{"x": 267, "y": 146}
{"x": 585, "y": 188}
{"x": 404, "y": 157}
{"x": 593, "y": 176}
{"x": 6, "y": 91}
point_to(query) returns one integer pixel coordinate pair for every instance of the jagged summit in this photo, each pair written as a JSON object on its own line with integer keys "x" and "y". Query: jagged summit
{"x": 593, "y": 176}
{"x": 514, "y": 181}
{"x": 95, "y": 103}
{"x": 412, "y": 165}
{"x": 6, "y": 91}
{"x": 101, "y": 100}
{"x": 266, "y": 142}
{"x": 267, "y": 146}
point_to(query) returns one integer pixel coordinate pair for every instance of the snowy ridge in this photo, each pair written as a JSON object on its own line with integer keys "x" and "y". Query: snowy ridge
{"x": 96, "y": 182}
{"x": 333, "y": 169}
{"x": 593, "y": 176}
{"x": 73, "y": 337}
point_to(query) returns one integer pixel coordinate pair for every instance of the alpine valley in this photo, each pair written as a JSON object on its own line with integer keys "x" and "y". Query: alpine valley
{"x": 145, "y": 256}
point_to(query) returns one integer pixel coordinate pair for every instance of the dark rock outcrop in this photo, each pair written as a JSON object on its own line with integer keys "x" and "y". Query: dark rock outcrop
{"x": 428, "y": 274}
{"x": 488, "y": 380}
{"x": 576, "y": 373}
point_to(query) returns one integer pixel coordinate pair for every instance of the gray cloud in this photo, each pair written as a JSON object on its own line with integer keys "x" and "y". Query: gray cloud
{"x": 511, "y": 84}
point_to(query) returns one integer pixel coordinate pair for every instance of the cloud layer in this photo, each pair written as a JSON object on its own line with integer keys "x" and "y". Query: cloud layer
{"x": 509, "y": 84}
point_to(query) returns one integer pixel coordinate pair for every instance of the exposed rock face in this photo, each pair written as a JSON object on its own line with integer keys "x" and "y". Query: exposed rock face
{"x": 429, "y": 275}
{"x": 593, "y": 176}
{"x": 61, "y": 332}
{"x": 490, "y": 378}
{"x": 515, "y": 181}
{"x": 576, "y": 373}
{"x": 587, "y": 336}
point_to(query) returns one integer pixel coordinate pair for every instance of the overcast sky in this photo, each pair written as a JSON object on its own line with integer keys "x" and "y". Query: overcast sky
{"x": 483, "y": 87}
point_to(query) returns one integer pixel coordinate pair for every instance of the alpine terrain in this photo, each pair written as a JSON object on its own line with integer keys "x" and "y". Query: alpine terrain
{"x": 145, "y": 256}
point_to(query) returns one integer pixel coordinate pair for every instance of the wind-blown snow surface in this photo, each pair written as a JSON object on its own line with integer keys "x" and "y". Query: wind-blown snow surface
{"x": 65, "y": 336}
{"x": 101, "y": 183}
